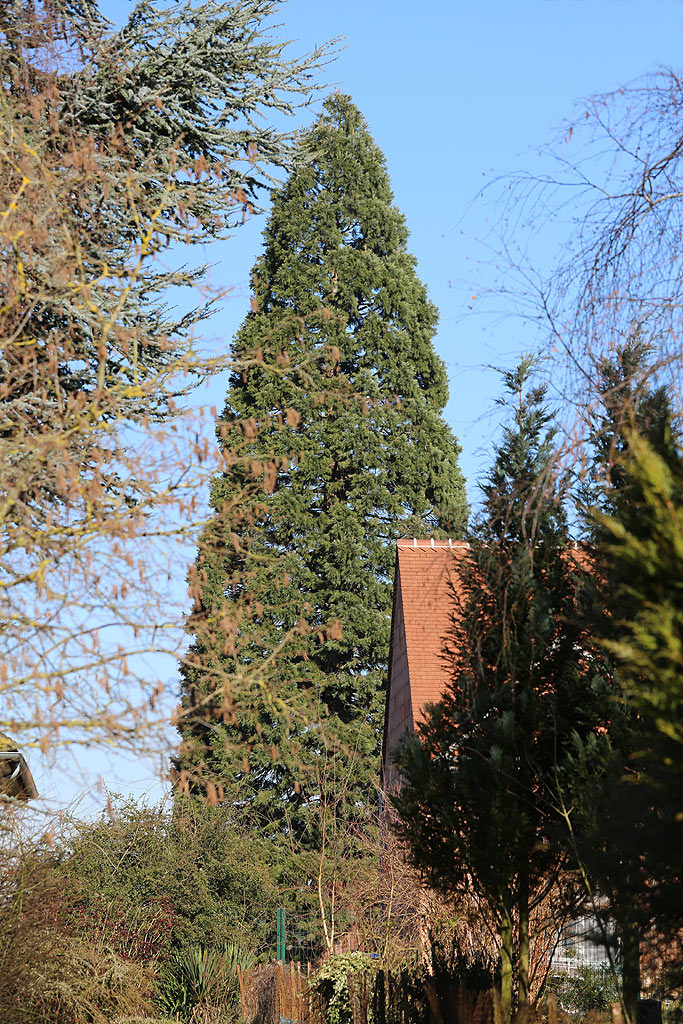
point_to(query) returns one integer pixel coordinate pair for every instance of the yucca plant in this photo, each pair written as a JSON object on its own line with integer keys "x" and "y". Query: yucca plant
{"x": 201, "y": 976}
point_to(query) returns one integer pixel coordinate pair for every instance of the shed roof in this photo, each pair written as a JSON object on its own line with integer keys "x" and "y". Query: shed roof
{"x": 16, "y": 781}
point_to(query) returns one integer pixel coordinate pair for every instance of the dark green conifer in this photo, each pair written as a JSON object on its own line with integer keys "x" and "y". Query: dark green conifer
{"x": 627, "y": 783}
{"x": 293, "y": 601}
{"x": 479, "y": 798}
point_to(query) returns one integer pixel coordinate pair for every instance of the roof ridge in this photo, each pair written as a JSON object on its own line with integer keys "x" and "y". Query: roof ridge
{"x": 422, "y": 543}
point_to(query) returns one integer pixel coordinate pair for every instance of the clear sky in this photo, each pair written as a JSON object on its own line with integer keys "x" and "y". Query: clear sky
{"x": 455, "y": 93}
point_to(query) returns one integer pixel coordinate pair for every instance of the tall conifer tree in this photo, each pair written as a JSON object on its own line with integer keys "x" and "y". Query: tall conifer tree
{"x": 477, "y": 806}
{"x": 626, "y": 800}
{"x": 351, "y": 452}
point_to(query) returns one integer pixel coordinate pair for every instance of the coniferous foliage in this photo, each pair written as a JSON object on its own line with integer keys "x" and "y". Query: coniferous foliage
{"x": 644, "y": 548}
{"x": 351, "y": 456}
{"x": 626, "y": 820}
{"x": 479, "y": 799}
{"x": 163, "y": 118}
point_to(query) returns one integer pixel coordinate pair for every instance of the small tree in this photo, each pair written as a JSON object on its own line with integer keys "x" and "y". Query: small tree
{"x": 477, "y": 804}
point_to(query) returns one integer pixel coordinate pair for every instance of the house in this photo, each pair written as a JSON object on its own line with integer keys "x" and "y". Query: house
{"x": 16, "y": 781}
{"x": 425, "y": 579}
{"x": 426, "y": 584}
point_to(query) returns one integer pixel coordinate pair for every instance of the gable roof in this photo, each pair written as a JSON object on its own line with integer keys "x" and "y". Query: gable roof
{"x": 426, "y": 582}
{"x": 426, "y": 573}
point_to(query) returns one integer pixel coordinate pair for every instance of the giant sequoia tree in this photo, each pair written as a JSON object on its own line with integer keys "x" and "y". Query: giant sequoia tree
{"x": 345, "y": 457}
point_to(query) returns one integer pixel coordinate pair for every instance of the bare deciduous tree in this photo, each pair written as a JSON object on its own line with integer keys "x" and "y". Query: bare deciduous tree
{"x": 110, "y": 164}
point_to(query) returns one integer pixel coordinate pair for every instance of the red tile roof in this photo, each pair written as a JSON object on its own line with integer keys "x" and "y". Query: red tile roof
{"x": 426, "y": 570}
{"x": 427, "y": 573}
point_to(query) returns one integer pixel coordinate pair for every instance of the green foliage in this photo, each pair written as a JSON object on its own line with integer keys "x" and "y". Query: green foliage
{"x": 331, "y": 982}
{"x": 626, "y": 787}
{"x": 672, "y": 1011}
{"x": 479, "y": 802}
{"x": 140, "y": 907}
{"x": 354, "y": 458}
{"x": 197, "y": 975}
{"x": 165, "y": 114}
{"x": 590, "y": 988}
{"x": 194, "y": 867}
{"x": 648, "y": 647}
{"x": 643, "y": 546}
{"x": 479, "y": 774}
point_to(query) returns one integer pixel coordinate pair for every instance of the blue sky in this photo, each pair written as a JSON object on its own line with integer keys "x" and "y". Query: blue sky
{"x": 455, "y": 93}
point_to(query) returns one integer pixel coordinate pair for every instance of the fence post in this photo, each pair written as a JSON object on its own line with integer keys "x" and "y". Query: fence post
{"x": 281, "y": 934}
{"x": 293, "y": 1014}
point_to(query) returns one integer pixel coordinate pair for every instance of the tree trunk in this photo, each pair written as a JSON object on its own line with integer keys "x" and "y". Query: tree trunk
{"x": 523, "y": 970}
{"x": 435, "y": 1014}
{"x": 630, "y": 962}
{"x": 506, "y": 958}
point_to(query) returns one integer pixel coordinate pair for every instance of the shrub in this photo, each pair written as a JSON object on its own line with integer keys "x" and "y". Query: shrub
{"x": 87, "y": 925}
{"x": 190, "y": 876}
{"x": 591, "y": 988}
{"x": 331, "y": 982}
{"x": 141, "y": 933}
{"x": 53, "y": 971}
{"x": 66, "y": 980}
{"x": 201, "y": 977}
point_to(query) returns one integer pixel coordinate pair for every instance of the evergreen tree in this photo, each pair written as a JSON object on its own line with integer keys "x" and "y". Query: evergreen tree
{"x": 351, "y": 452}
{"x": 626, "y": 783}
{"x": 645, "y": 550}
{"x": 128, "y": 142}
{"x": 478, "y": 802}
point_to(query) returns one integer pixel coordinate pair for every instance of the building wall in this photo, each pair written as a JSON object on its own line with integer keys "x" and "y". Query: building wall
{"x": 426, "y": 574}
{"x": 399, "y": 711}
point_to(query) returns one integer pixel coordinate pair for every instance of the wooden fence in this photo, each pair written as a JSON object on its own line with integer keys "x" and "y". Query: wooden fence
{"x": 273, "y": 994}
{"x": 277, "y": 994}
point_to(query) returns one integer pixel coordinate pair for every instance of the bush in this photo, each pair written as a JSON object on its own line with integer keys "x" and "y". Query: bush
{"x": 51, "y": 970}
{"x": 192, "y": 871}
{"x": 672, "y": 1011}
{"x": 201, "y": 977}
{"x": 60, "y": 979}
{"x": 331, "y": 982}
{"x": 591, "y": 988}
{"x": 89, "y": 925}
